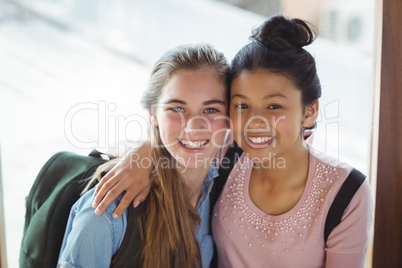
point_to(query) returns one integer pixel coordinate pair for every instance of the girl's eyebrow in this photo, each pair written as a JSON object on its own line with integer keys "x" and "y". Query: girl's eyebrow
{"x": 265, "y": 97}
{"x": 238, "y": 96}
{"x": 175, "y": 101}
{"x": 274, "y": 95}
{"x": 209, "y": 102}
{"x": 214, "y": 102}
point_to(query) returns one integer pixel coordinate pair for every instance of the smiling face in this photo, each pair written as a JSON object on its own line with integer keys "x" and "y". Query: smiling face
{"x": 191, "y": 116}
{"x": 268, "y": 115}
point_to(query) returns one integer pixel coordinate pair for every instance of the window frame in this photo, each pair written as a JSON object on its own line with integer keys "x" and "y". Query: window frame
{"x": 387, "y": 131}
{"x": 3, "y": 252}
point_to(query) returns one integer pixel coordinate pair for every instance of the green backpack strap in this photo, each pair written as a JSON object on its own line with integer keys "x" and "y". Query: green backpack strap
{"x": 127, "y": 256}
{"x": 342, "y": 200}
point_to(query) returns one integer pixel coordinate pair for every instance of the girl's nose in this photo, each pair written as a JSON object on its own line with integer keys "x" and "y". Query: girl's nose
{"x": 257, "y": 122}
{"x": 196, "y": 124}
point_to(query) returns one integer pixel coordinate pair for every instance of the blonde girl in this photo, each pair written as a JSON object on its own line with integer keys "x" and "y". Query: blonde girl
{"x": 186, "y": 94}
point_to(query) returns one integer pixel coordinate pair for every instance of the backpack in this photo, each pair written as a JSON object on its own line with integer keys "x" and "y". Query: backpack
{"x": 57, "y": 187}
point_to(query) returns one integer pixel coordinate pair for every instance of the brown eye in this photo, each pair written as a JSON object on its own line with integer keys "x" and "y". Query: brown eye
{"x": 274, "y": 106}
{"x": 241, "y": 106}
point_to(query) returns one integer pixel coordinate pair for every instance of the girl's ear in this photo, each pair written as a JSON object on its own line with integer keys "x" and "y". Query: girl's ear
{"x": 154, "y": 119}
{"x": 310, "y": 114}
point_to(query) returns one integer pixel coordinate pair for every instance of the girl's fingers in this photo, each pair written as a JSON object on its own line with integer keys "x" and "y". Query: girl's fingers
{"x": 125, "y": 176}
{"x": 110, "y": 191}
{"x": 107, "y": 200}
{"x": 119, "y": 177}
{"x": 102, "y": 189}
{"x": 105, "y": 179}
{"x": 141, "y": 196}
{"x": 112, "y": 188}
{"x": 100, "y": 184}
{"x": 128, "y": 197}
{"x": 124, "y": 203}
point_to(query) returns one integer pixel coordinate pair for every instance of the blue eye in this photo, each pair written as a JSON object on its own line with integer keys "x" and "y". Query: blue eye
{"x": 241, "y": 106}
{"x": 177, "y": 109}
{"x": 274, "y": 106}
{"x": 211, "y": 110}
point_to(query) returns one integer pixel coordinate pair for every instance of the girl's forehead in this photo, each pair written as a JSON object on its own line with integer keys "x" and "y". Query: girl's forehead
{"x": 262, "y": 82}
{"x": 202, "y": 82}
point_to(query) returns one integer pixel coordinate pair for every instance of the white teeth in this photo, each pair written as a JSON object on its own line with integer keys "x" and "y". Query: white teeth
{"x": 193, "y": 144}
{"x": 259, "y": 139}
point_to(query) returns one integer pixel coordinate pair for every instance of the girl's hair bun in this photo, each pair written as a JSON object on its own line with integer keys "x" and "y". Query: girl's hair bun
{"x": 281, "y": 33}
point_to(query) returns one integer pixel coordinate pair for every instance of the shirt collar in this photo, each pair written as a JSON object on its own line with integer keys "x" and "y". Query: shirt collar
{"x": 207, "y": 186}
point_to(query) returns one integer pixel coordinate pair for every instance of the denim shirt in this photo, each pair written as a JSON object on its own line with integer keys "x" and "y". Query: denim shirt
{"x": 91, "y": 240}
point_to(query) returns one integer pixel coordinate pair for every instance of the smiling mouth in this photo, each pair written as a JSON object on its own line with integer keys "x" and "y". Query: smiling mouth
{"x": 259, "y": 140}
{"x": 193, "y": 144}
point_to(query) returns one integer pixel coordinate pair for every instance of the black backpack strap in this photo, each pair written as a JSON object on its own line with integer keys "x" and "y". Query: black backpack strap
{"x": 226, "y": 165}
{"x": 342, "y": 200}
{"x": 228, "y": 162}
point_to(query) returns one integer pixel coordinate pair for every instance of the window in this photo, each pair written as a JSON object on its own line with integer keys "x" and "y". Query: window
{"x": 71, "y": 73}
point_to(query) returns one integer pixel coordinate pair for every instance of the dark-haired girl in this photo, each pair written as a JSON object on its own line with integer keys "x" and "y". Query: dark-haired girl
{"x": 273, "y": 207}
{"x": 272, "y": 210}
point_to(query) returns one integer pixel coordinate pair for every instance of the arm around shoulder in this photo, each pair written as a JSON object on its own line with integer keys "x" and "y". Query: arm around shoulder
{"x": 132, "y": 175}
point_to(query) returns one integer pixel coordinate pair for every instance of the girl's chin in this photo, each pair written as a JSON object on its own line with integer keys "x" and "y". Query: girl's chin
{"x": 270, "y": 161}
{"x": 194, "y": 161}
{"x": 258, "y": 158}
{"x": 194, "y": 164}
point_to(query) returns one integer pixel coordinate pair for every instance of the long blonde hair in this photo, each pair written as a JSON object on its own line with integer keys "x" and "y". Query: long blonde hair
{"x": 167, "y": 220}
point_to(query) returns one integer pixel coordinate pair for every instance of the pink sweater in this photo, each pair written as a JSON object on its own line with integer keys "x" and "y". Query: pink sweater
{"x": 248, "y": 237}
